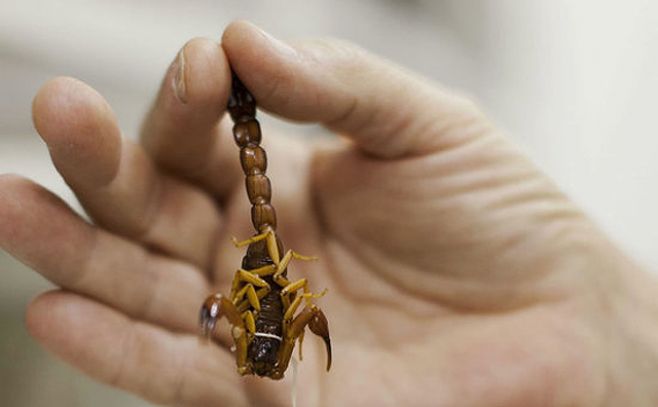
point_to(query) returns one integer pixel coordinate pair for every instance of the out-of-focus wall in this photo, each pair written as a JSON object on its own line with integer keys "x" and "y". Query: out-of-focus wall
{"x": 573, "y": 82}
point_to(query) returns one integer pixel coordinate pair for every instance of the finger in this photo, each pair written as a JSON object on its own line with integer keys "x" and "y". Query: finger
{"x": 42, "y": 232}
{"x": 386, "y": 111}
{"x": 151, "y": 362}
{"x": 182, "y": 132}
{"x": 115, "y": 179}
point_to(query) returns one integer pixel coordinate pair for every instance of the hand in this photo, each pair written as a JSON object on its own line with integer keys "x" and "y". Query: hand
{"x": 457, "y": 273}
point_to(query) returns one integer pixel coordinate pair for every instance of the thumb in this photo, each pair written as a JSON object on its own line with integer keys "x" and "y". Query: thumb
{"x": 385, "y": 110}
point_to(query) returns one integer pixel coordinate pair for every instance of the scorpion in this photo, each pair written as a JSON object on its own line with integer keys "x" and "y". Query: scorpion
{"x": 263, "y": 303}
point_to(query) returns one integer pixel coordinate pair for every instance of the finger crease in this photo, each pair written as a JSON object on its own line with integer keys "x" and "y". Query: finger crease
{"x": 151, "y": 212}
{"x": 125, "y": 346}
{"x": 152, "y": 280}
{"x": 345, "y": 116}
{"x": 181, "y": 379}
{"x": 274, "y": 89}
{"x": 76, "y": 279}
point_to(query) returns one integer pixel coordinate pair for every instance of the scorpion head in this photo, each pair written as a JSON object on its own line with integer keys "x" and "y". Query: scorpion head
{"x": 263, "y": 353}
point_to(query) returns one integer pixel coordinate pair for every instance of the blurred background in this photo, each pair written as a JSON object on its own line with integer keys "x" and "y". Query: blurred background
{"x": 574, "y": 83}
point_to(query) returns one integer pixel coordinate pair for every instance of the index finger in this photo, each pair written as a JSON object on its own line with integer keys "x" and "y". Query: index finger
{"x": 183, "y": 132}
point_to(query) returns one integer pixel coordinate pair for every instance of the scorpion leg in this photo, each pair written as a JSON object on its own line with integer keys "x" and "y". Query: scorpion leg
{"x": 253, "y": 239}
{"x": 317, "y": 323}
{"x": 244, "y": 305}
{"x": 252, "y": 297}
{"x": 251, "y": 280}
{"x": 302, "y": 283}
{"x": 292, "y": 308}
{"x": 215, "y": 307}
{"x": 249, "y": 321}
{"x": 263, "y": 271}
{"x": 290, "y": 254}
{"x": 281, "y": 267}
{"x": 294, "y": 305}
{"x": 272, "y": 246}
{"x": 249, "y": 277}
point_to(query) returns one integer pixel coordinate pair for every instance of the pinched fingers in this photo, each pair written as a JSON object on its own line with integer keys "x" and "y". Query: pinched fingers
{"x": 385, "y": 110}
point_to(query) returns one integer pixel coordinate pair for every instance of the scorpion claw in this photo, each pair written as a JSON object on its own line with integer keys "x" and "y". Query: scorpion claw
{"x": 319, "y": 326}
{"x": 208, "y": 316}
{"x": 213, "y": 308}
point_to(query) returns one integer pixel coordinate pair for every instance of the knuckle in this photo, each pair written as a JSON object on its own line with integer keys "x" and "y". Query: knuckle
{"x": 332, "y": 50}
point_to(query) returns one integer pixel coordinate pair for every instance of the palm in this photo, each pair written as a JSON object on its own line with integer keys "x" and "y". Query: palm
{"x": 446, "y": 264}
{"x": 406, "y": 310}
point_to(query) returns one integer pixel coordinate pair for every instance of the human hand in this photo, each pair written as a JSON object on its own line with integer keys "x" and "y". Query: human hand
{"x": 457, "y": 273}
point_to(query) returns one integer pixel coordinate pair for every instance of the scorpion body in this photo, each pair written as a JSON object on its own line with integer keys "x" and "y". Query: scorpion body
{"x": 262, "y": 304}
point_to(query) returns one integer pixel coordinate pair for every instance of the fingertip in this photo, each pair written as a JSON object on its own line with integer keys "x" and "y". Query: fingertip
{"x": 79, "y": 127}
{"x": 240, "y": 41}
{"x": 42, "y": 313}
{"x": 203, "y": 70}
{"x": 262, "y": 62}
{"x": 8, "y": 181}
{"x": 65, "y": 108}
{"x": 296, "y": 82}
{"x": 14, "y": 190}
{"x": 182, "y": 130}
{"x": 236, "y": 33}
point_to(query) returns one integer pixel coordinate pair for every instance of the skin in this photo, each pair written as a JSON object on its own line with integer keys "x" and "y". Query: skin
{"x": 457, "y": 273}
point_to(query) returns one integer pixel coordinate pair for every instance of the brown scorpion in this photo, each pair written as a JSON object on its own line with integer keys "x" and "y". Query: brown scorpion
{"x": 263, "y": 303}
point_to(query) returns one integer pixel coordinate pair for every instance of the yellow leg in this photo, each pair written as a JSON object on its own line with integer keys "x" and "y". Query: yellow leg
{"x": 300, "y": 340}
{"x": 281, "y": 266}
{"x": 246, "y": 277}
{"x": 244, "y": 305}
{"x": 301, "y": 284}
{"x": 290, "y": 311}
{"x": 292, "y": 308}
{"x": 263, "y": 271}
{"x": 286, "y": 301}
{"x": 253, "y": 239}
{"x": 290, "y": 254}
{"x": 249, "y": 321}
{"x": 281, "y": 280}
{"x": 250, "y": 278}
{"x": 252, "y": 297}
{"x": 239, "y": 295}
{"x": 296, "y": 286}
{"x": 272, "y": 246}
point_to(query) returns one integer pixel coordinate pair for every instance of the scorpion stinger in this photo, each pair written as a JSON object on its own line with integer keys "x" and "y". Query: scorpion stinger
{"x": 263, "y": 303}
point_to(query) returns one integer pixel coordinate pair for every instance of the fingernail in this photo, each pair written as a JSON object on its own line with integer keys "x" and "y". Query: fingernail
{"x": 277, "y": 44}
{"x": 180, "y": 89}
